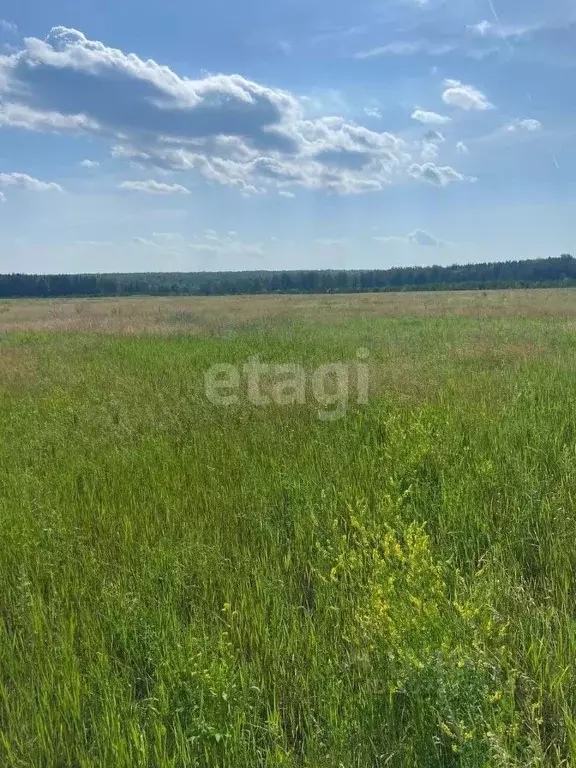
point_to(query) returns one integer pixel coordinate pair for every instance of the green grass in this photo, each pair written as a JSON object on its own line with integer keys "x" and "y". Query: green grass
{"x": 188, "y": 585}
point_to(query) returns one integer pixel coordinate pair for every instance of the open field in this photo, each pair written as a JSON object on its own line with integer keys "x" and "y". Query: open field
{"x": 164, "y": 315}
{"x": 257, "y": 586}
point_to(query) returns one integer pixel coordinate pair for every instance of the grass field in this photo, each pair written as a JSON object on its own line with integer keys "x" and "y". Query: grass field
{"x": 188, "y": 584}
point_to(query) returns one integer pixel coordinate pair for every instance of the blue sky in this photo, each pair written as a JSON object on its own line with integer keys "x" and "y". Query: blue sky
{"x": 168, "y": 135}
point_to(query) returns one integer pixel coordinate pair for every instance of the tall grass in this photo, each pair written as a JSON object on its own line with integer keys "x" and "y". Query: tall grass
{"x": 188, "y": 585}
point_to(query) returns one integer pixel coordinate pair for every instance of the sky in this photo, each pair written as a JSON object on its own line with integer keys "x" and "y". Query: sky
{"x": 164, "y": 135}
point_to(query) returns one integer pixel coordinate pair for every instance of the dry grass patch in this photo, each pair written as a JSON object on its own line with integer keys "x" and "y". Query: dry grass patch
{"x": 165, "y": 315}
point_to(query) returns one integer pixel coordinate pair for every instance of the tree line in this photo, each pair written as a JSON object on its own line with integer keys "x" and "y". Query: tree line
{"x": 551, "y": 272}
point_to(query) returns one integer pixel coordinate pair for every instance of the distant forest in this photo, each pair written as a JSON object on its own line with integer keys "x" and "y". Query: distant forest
{"x": 540, "y": 273}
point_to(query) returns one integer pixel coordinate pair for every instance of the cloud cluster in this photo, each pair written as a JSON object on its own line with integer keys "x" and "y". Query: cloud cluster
{"x": 430, "y": 118}
{"x": 535, "y": 31}
{"x": 430, "y": 145}
{"x": 524, "y": 126}
{"x": 438, "y": 176}
{"x": 465, "y": 97}
{"x": 226, "y": 128}
{"x": 23, "y": 181}
{"x": 152, "y": 187}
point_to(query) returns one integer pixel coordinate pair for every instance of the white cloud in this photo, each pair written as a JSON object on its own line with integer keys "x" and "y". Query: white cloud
{"x": 154, "y": 187}
{"x": 435, "y": 136}
{"x": 13, "y": 115}
{"x": 90, "y": 164}
{"x": 462, "y": 149}
{"x": 483, "y": 28}
{"x": 430, "y": 118}
{"x": 430, "y": 144}
{"x": 446, "y": 30}
{"x": 429, "y": 151}
{"x": 466, "y": 97}
{"x": 227, "y": 129}
{"x": 148, "y": 100}
{"x": 374, "y": 112}
{"x": 528, "y": 125}
{"x": 29, "y": 183}
{"x": 439, "y": 176}
{"x": 2, "y": 197}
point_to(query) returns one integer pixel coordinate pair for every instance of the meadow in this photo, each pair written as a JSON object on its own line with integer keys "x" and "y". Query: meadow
{"x": 185, "y": 584}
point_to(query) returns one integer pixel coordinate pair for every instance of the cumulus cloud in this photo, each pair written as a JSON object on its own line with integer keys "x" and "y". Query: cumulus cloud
{"x": 121, "y": 92}
{"x": 429, "y": 151}
{"x": 152, "y": 187}
{"x": 29, "y": 183}
{"x": 528, "y": 125}
{"x": 463, "y": 96}
{"x": 430, "y": 118}
{"x": 90, "y": 164}
{"x": 439, "y": 176}
{"x": 13, "y": 115}
{"x": 462, "y": 148}
{"x": 430, "y": 144}
{"x": 226, "y": 128}
{"x": 435, "y": 136}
